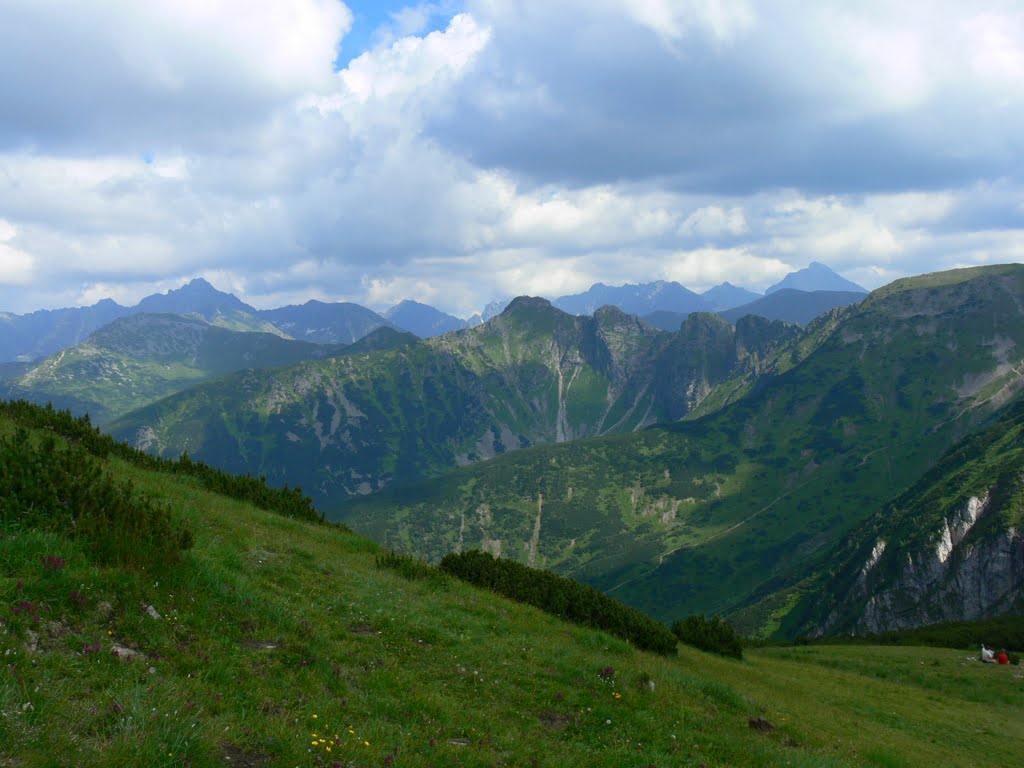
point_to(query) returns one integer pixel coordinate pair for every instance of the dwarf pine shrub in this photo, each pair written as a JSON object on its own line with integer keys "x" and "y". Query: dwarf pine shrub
{"x": 410, "y": 567}
{"x": 63, "y": 489}
{"x": 715, "y": 635}
{"x": 290, "y": 502}
{"x": 562, "y": 597}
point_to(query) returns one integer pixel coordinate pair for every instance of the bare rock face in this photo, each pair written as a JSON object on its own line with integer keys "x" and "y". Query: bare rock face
{"x": 959, "y": 574}
{"x": 974, "y": 582}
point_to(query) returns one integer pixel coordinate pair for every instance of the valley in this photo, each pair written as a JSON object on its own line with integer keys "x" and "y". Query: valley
{"x": 711, "y": 469}
{"x": 707, "y": 515}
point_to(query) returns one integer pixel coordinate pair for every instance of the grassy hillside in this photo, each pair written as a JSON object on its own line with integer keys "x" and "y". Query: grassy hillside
{"x": 144, "y": 357}
{"x": 277, "y": 639}
{"x": 698, "y": 516}
{"x": 964, "y": 566}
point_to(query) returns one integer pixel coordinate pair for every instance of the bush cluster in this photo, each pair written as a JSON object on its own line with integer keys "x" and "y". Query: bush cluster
{"x": 561, "y": 597}
{"x": 65, "y": 490}
{"x": 715, "y": 635}
{"x": 410, "y": 567}
{"x": 290, "y": 502}
{"x": 999, "y": 632}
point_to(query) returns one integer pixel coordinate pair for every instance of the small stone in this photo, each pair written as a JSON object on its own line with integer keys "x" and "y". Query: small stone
{"x": 124, "y": 653}
{"x": 152, "y": 612}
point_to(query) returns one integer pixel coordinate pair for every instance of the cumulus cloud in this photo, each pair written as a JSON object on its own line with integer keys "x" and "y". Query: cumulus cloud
{"x": 118, "y": 74}
{"x": 522, "y": 147}
{"x": 15, "y": 265}
{"x": 713, "y": 220}
{"x": 826, "y": 96}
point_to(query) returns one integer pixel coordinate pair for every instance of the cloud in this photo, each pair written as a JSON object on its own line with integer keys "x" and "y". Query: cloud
{"x": 713, "y": 220}
{"x": 526, "y": 147}
{"x": 825, "y": 97}
{"x": 118, "y": 74}
{"x": 703, "y": 268}
{"x": 15, "y": 265}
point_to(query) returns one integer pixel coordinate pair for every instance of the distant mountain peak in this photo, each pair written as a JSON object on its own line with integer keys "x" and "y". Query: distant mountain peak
{"x": 815, "y": 277}
{"x": 196, "y": 287}
{"x": 726, "y": 296}
{"x": 494, "y": 308}
{"x": 404, "y": 304}
{"x": 422, "y": 319}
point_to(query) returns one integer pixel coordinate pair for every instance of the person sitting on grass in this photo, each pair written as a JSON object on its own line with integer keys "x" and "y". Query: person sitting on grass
{"x": 1002, "y": 658}
{"x": 987, "y": 656}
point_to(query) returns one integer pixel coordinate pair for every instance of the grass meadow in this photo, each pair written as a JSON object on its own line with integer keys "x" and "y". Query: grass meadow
{"x": 281, "y": 643}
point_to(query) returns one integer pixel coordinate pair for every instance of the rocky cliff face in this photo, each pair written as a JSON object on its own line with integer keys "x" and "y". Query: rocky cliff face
{"x": 956, "y": 576}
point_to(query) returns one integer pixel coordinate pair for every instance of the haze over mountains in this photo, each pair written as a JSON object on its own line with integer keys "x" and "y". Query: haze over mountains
{"x": 32, "y": 336}
{"x": 29, "y": 337}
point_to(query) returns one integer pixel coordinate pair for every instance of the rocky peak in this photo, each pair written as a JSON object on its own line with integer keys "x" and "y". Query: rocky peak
{"x": 529, "y": 304}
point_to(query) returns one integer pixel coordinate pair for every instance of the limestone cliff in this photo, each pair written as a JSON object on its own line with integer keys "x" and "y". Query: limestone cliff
{"x": 956, "y": 576}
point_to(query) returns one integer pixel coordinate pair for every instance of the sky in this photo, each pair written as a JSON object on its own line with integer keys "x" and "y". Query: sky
{"x": 462, "y": 151}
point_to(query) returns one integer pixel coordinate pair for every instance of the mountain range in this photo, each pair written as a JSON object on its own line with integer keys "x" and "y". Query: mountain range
{"x": 29, "y": 337}
{"x": 348, "y": 426}
{"x": 141, "y": 358}
{"x": 38, "y": 334}
{"x": 744, "y": 468}
{"x": 716, "y": 513}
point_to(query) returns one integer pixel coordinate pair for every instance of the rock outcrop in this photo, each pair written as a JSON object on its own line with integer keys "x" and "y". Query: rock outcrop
{"x": 962, "y": 571}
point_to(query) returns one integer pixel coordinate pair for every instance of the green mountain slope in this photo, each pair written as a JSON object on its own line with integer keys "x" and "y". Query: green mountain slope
{"x": 350, "y": 426}
{"x": 698, "y": 516}
{"x": 950, "y": 548}
{"x": 273, "y": 639}
{"x": 141, "y": 358}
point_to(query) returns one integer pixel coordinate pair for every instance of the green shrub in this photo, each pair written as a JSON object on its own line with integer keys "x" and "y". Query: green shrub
{"x": 43, "y": 486}
{"x": 561, "y": 597}
{"x": 290, "y": 502}
{"x": 998, "y": 632}
{"x": 410, "y": 567}
{"x": 715, "y": 635}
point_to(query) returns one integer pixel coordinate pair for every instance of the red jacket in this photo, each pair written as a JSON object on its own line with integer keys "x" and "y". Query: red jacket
{"x": 1002, "y": 658}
